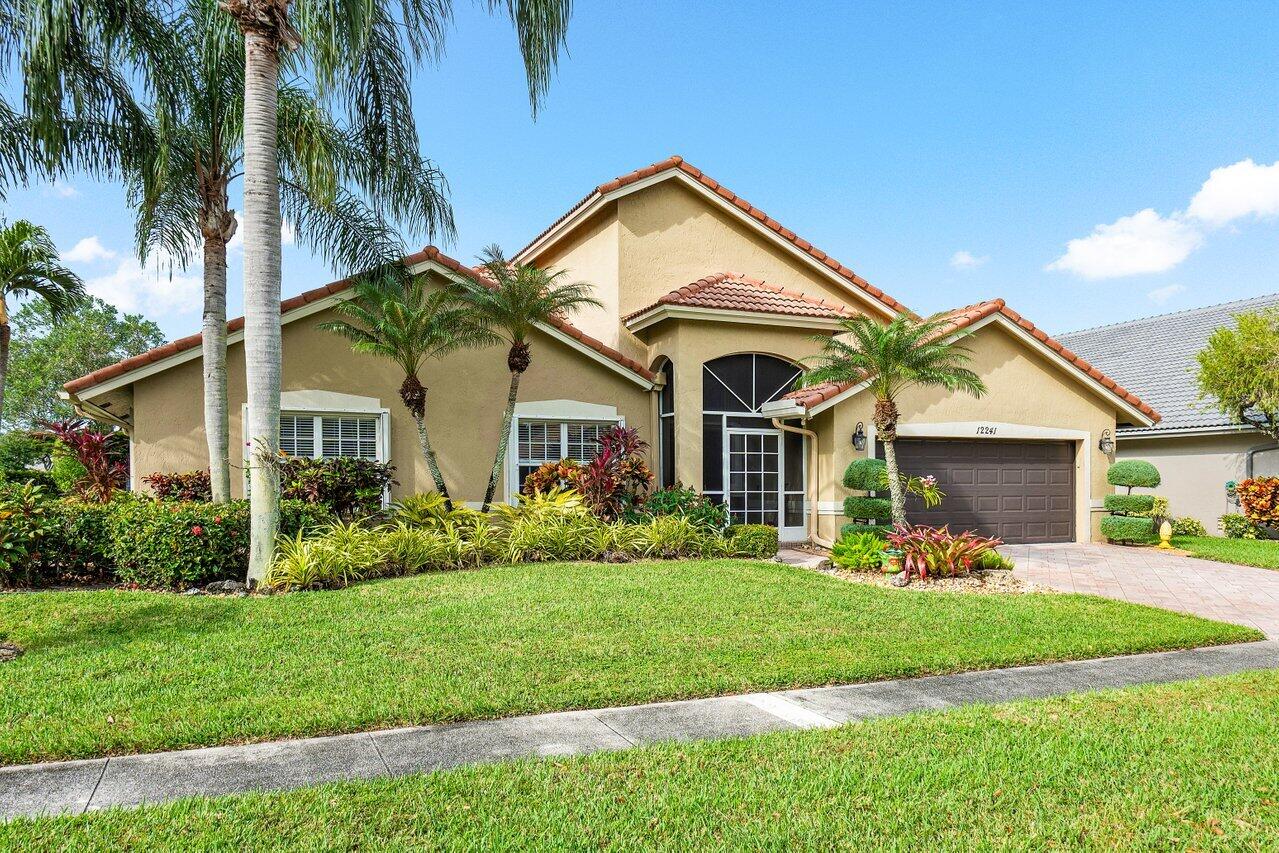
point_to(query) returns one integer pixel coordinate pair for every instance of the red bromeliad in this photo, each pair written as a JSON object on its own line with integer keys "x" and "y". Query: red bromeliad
{"x": 937, "y": 551}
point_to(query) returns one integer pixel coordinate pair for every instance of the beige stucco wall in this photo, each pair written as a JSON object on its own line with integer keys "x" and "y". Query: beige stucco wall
{"x": 590, "y": 254}
{"x": 671, "y": 237}
{"x": 1024, "y": 389}
{"x": 466, "y": 394}
{"x": 1194, "y": 470}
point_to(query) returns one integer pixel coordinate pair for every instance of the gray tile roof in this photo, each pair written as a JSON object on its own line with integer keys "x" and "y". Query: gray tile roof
{"x": 1155, "y": 359}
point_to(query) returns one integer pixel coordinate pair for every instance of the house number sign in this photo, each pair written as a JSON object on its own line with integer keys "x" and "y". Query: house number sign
{"x": 985, "y": 430}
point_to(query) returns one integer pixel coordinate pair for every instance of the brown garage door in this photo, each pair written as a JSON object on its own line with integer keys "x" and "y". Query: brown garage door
{"x": 1020, "y": 491}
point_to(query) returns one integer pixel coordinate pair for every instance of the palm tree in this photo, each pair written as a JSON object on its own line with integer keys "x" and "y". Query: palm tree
{"x": 409, "y": 323}
{"x": 29, "y": 266}
{"x": 904, "y": 353}
{"x": 348, "y": 49}
{"x": 513, "y": 301}
{"x": 179, "y": 181}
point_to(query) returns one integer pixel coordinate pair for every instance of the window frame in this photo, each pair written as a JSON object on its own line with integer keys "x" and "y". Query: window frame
{"x": 382, "y": 438}
{"x": 562, "y": 412}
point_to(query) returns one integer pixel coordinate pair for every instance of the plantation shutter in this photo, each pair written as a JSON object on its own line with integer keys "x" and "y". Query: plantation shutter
{"x": 297, "y": 435}
{"x": 348, "y": 436}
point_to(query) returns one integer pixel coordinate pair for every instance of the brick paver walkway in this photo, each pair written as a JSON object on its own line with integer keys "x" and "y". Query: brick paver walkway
{"x": 1240, "y": 594}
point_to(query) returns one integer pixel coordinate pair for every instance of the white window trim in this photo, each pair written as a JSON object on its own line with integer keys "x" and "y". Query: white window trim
{"x": 560, "y": 411}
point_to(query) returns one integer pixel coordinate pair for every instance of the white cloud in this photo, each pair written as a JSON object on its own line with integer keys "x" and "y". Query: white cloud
{"x": 88, "y": 251}
{"x": 1131, "y": 245}
{"x": 61, "y": 190}
{"x": 1160, "y": 295}
{"x": 1235, "y": 191}
{"x": 155, "y": 290}
{"x": 236, "y": 243}
{"x": 966, "y": 260}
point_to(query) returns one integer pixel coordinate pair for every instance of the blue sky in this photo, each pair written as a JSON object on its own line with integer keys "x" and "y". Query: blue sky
{"x": 947, "y": 152}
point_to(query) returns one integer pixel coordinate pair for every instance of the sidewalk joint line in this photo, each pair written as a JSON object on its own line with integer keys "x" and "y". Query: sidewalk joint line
{"x": 596, "y": 715}
{"x": 378, "y": 750}
{"x": 94, "y": 792}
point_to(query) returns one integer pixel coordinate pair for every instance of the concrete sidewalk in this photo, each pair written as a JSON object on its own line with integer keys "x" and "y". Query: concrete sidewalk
{"x": 77, "y": 786}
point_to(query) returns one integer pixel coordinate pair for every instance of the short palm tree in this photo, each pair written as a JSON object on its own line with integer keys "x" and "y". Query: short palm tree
{"x": 30, "y": 267}
{"x": 181, "y": 172}
{"x": 512, "y": 300}
{"x": 893, "y": 357}
{"x": 409, "y": 323}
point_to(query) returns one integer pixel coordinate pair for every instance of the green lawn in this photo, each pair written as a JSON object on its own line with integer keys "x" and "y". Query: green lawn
{"x": 1187, "y": 766}
{"x": 115, "y": 672}
{"x": 1246, "y": 552}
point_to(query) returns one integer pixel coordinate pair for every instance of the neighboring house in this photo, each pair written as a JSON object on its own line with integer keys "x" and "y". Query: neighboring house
{"x": 1197, "y": 448}
{"x": 702, "y": 360}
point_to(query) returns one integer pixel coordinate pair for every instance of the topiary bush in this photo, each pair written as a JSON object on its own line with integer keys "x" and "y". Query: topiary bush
{"x": 1129, "y": 504}
{"x": 880, "y": 530}
{"x": 1127, "y": 528}
{"x": 752, "y": 540}
{"x": 865, "y": 474}
{"x": 877, "y": 509}
{"x": 1133, "y": 473}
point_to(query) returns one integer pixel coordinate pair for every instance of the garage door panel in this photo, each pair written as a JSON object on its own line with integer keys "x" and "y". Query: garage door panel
{"x": 1018, "y": 491}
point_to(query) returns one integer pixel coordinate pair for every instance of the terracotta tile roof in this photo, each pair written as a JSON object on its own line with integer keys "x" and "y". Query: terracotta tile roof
{"x": 680, "y": 164}
{"x": 733, "y": 292}
{"x": 961, "y": 318}
{"x": 430, "y": 253}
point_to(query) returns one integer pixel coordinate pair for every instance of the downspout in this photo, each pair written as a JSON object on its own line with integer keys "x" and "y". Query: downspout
{"x": 813, "y": 480}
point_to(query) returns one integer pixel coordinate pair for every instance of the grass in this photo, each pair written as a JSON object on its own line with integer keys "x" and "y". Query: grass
{"x": 1192, "y": 766}
{"x": 114, "y": 672}
{"x": 1246, "y": 552}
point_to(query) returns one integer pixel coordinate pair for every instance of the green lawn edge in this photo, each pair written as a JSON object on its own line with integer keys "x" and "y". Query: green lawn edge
{"x": 115, "y": 672}
{"x": 1258, "y": 553}
{"x": 1191, "y": 765}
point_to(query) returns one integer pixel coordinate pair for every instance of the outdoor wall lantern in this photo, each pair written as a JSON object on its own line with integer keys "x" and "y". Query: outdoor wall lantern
{"x": 859, "y": 436}
{"x": 1107, "y": 443}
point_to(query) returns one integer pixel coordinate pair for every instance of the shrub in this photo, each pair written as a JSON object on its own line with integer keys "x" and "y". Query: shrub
{"x": 1127, "y": 528}
{"x": 677, "y": 500}
{"x": 187, "y": 486}
{"x": 335, "y": 556}
{"x": 859, "y": 552}
{"x": 409, "y": 550}
{"x": 868, "y": 475}
{"x": 617, "y": 478}
{"x": 351, "y": 488}
{"x": 1188, "y": 526}
{"x": 1259, "y": 498}
{"x": 80, "y": 542}
{"x": 66, "y": 472}
{"x": 1130, "y": 504}
{"x": 430, "y": 510}
{"x": 1159, "y": 509}
{"x": 1235, "y": 526}
{"x": 880, "y": 530}
{"x": 167, "y": 543}
{"x": 1133, "y": 473}
{"x": 19, "y": 451}
{"x": 752, "y": 540}
{"x": 879, "y": 509}
{"x": 25, "y": 520}
{"x": 553, "y": 475}
{"x": 936, "y": 551}
{"x": 102, "y": 470}
{"x": 671, "y": 537}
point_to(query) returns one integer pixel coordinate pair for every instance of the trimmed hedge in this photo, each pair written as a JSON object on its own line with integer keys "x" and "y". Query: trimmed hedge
{"x": 880, "y": 530}
{"x": 1127, "y": 528}
{"x": 754, "y": 540}
{"x": 79, "y": 542}
{"x": 1133, "y": 473}
{"x": 1129, "y": 504}
{"x": 865, "y": 474}
{"x": 879, "y": 509}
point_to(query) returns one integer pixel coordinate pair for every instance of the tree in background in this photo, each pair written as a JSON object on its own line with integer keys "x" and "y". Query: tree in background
{"x": 337, "y": 197}
{"x": 513, "y": 301}
{"x": 45, "y": 354}
{"x": 30, "y": 268}
{"x": 902, "y": 354}
{"x": 1239, "y": 371}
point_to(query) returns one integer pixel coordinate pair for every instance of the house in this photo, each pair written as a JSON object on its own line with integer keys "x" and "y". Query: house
{"x": 1197, "y": 448}
{"x": 709, "y": 308}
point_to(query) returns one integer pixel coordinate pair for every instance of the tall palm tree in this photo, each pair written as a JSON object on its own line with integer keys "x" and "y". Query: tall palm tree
{"x": 410, "y": 323}
{"x": 30, "y": 266}
{"x": 347, "y": 48}
{"x": 180, "y": 177}
{"x": 513, "y": 301}
{"x": 902, "y": 354}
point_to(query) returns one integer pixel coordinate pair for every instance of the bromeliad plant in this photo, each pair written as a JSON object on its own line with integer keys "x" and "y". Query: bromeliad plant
{"x": 935, "y": 551}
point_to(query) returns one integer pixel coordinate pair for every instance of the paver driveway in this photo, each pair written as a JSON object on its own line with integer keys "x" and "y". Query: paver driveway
{"x": 1240, "y": 594}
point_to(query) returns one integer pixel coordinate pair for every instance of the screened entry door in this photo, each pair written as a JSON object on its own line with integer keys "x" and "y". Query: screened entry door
{"x": 753, "y": 462}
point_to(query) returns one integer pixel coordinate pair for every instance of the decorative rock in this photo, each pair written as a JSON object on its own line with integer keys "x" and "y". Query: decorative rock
{"x": 195, "y": 590}
{"x": 225, "y": 588}
{"x": 9, "y": 651}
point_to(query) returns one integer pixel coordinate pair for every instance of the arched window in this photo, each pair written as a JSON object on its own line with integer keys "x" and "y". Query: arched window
{"x": 747, "y": 463}
{"x": 666, "y": 427}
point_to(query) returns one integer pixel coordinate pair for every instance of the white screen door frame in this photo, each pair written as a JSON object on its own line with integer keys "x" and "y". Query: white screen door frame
{"x": 769, "y": 448}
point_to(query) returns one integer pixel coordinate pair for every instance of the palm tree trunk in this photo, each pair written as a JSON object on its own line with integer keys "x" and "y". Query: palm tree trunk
{"x": 503, "y": 439}
{"x": 898, "y": 497}
{"x": 215, "y": 385}
{"x": 431, "y": 462}
{"x": 5, "y": 334}
{"x": 262, "y": 351}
